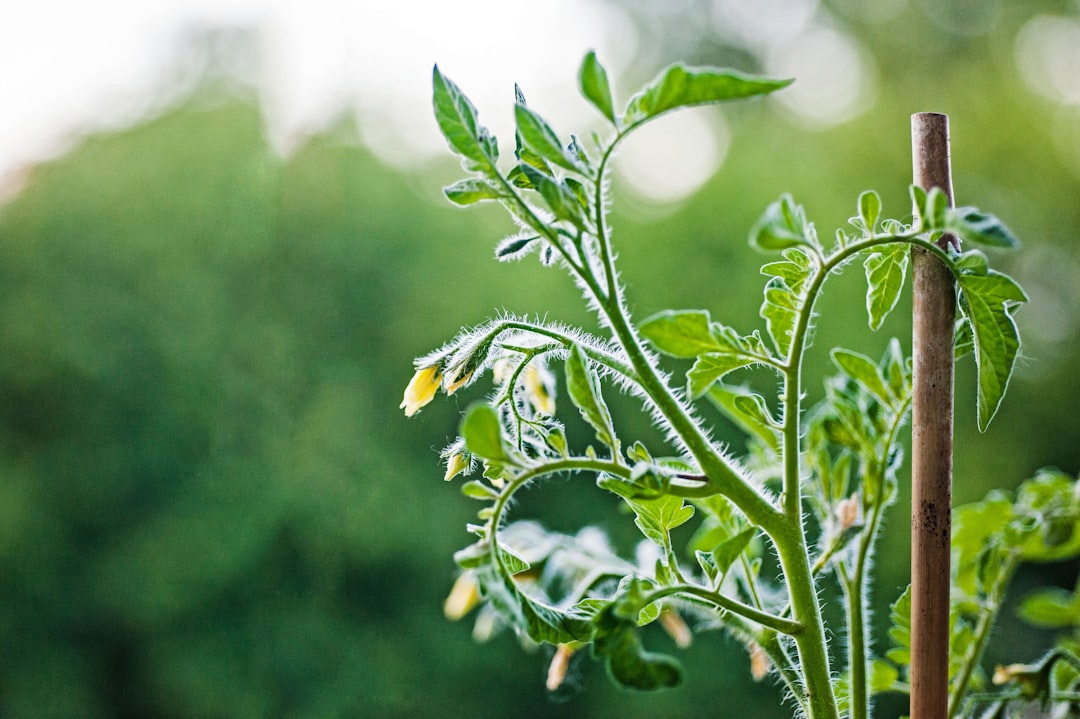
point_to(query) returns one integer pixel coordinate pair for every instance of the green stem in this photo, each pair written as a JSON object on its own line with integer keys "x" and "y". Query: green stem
{"x": 982, "y": 634}
{"x": 811, "y": 644}
{"x": 728, "y": 480}
{"x": 858, "y": 639}
{"x": 780, "y": 624}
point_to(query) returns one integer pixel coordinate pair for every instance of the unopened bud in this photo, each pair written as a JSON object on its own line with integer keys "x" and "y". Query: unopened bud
{"x": 464, "y": 595}
{"x": 559, "y": 664}
{"x": 847, "y": 512}
{"x": 676, "y": 628}
{"x": 759, "y": 662}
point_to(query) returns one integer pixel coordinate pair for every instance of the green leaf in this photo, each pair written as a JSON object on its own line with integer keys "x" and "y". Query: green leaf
{"x": 882, "y": 676}
{"x": 869, "y": 209}
{"x": 780, "y": 310}
{"x": 709, "y": 368}
{"x": 731, "y": 401}
{"x": 594, "y": 85}
{"x": 981, "y": 228}
{"x": 885, "y": 273}
{"x": 478, "y": 490}
{"x": 560, "y": 198}
{"x": 615, "y": 639}
{"x": 516, "y": 246}
{"x": 657, "y": 517}
{"x": 583, "y": 386}
{"x": 988, "y": 302}
{"x": 539, "y": 137}
{"x": 729, "y": 550}
{"x": 918, "y": 202}
{"x": 707, "y": 562}
{"x": 457, "y": 119}
{"x": 681, "y": 86}
{"x": 972, "y": 262}
{"x": 1051, "y": 608}
{"x": 680, "y": 333}
{"x": 863, "y": 370}
{"x": 482, "y": 432}
{"x": 937, "y": 203}
{"x": 479, "y": 555}
{"x": 781, "y": 226}
{"x": 901, "y": 629}
{"x": 470, "y": 191}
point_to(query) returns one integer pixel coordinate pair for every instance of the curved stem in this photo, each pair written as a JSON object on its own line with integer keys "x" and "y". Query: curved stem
{"x": 780, "y": 624}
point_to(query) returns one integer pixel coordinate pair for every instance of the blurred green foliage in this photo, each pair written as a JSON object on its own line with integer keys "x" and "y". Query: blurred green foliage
{"x": 210, "y": 505}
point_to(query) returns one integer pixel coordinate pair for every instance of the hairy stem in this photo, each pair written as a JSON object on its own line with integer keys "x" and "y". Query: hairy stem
{"x": 982, "y": 633}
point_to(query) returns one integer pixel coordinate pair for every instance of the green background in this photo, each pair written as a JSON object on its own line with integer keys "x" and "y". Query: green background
{"x": 210, "y": 503}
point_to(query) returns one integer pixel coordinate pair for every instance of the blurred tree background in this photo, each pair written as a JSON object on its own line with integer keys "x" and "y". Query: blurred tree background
{"x": 211, "y": 505}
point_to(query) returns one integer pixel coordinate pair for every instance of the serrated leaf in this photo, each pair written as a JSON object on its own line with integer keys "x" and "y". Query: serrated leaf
{"x": 538, "y": 135}
{"x": 680, "y": 333}
{"x": 458, "y": 121}
{"x": 542, "y": 623}
{"x": 657, "y": 517}
{"x": 681, "y": 86}
{"x": 863, "y": 370}
{"x": 780, "y": 312}
{"x": 583, "y": 387}
{"x": 709, "y": 368}
{"x": 595, "y": 87}
{"x": 988, "y": 302}
{"x": 869, "y": 209}
{"x": 885, "y": 273}
{"x": 482, "y": 433}
{"x": 971, "y": 225}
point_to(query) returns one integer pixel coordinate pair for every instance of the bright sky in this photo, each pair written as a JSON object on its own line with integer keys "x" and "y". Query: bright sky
{"x": 67, "y": 68}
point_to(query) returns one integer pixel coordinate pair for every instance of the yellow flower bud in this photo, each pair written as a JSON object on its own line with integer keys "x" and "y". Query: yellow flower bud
{"x": 759, "y": 662}
{"x": 421, "y": 390}
{"x": 847, "y": 512}
{"x": 559, "y": 664}
{"x": 676, "y": 628}
{"x": 464, "y": 595}
{"x": 455, "y": 465}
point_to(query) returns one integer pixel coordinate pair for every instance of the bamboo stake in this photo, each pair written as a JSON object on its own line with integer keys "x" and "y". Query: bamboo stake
{"x": 933, "y": 316}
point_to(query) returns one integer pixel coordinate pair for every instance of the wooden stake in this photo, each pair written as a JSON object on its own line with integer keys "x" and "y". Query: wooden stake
{"x": 933, "y": 316}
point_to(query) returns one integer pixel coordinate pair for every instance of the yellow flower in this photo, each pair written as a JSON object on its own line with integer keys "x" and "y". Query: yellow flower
{"x": 537, "y": 392}
{"x": 421, "y": 389}
{"x": 464, "y": 595}
{"x": 455, "y": 465}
